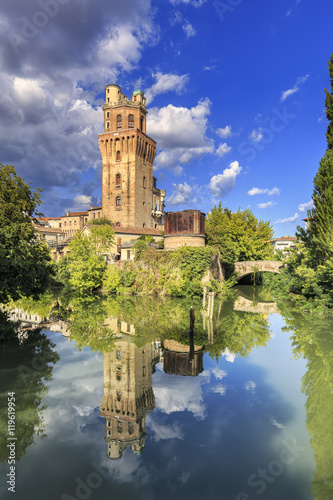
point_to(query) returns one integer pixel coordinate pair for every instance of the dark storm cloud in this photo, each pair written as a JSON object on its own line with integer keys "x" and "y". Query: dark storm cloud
{"x": 53, "y": 54}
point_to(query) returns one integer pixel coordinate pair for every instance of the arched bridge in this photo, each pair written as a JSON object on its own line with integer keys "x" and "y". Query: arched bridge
{"x": 248, "y": 267}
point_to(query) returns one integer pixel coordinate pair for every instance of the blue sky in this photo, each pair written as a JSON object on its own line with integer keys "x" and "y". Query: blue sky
{"x": 235, "y": 91}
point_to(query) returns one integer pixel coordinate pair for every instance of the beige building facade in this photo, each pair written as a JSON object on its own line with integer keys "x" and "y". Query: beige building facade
{"x": 130, "y": 197}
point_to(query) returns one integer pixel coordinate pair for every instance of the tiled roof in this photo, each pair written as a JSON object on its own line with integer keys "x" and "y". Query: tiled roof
{"x": 286, "y": 238}
{"x": 74, "y": 214}
{"x": 44, "y": 229}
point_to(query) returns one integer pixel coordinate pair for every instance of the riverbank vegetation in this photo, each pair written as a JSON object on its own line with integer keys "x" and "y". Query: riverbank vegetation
{"x": 307, "y": 278}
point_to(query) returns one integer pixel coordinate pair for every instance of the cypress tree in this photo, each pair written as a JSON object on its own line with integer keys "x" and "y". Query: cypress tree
{"x": 320, "y": 234}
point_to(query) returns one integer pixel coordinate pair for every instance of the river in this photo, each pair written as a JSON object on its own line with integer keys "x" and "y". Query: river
{"x": 114, "y": 399}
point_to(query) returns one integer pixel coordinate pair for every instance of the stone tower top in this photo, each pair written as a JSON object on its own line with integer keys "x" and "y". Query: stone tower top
{"x": 114, "y": 97}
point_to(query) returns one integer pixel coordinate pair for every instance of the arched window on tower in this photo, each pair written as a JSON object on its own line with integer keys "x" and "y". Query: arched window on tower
{"x": 131, "y": 121}
{"x": 118, "y": 122}
{"x": 118, "y": 180}
{"x": 144, "y": 182}
{"x": 118, "y": 157}
{"x": 141, "y": 123}
{"x": 118, "y": 201}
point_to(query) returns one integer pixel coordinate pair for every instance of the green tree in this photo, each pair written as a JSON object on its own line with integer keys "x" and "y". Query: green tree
{"x": 239, "y": 236}
{"x": 86, "y": 267}
{"x": 25, "y": 262}
{"x": 319, "y": 235}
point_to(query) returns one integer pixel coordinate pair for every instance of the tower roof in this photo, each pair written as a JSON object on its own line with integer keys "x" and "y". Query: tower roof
{"x": 136, "y": 92}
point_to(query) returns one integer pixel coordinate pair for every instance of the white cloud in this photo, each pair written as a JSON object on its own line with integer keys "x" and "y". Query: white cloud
{"x": 178, "y": 170}
{"x": 270, "y": 192}
{"x": 224, "y": 132}
{"x": 287, "y": 219}
{"x": 229, "y": 356}
{"x": 274, "y": 191}
{"x": 180, "y": 133}
{"x": 160, "y": 431}
{"x": 296, "y": 87}
{"x": 250, "y": 386}
{"x": 221, "y": 184}
{"x": 223, "y": 149}
{"x": 219, "y": 389}
{"x": 269, "y": 204}
{"x": 255, "y": 191}
{"x": 195, "y": 3}
{"x": 305, "y": 206}
{"x": 166, "y": 83}
{"x": 189, "y": 30}
{"x": 182, "y": 194}
{"x": 219, "y": 374}
{"x": 180, "y": 394}
{"x": 256, "y": 135}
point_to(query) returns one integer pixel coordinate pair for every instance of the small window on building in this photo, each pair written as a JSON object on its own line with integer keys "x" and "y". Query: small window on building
{"x": 118, "y": 180}
{"x": 120, "y": 427}
{"x": 143, "y": 371}
{"x": 59, "y": 225}
{"x": 144, "y": 182}
{"x": 117, "y": 224}
{"x": 143, "y": 225}
{"x": 118, "y": 158}
{"x": 128, "y": 254}
{"x": 108, "y": 99}
{"x": 131, "y": 121}
{"x": 118, "y": 354}
{"x": 118, "y": 373}
{"x": 94, "y": 215}
{"x": 118, "y": 395}
{"x": 107, "y": 124}
{"x": 108, "y": 114}
{"x": 130, "y": 427}
{"x": 98, "y": 215}
{"x": 141, "y": 123}
{"x": 65, "y": 223}
{"x": 118, "y": 122}
{"x": 108, "y": 90}
{"x": 118, "y": 201}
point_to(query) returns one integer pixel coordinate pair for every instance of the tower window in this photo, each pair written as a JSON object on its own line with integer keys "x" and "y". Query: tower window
{"x": 118, "y": 180}
{"x": 120, "y": 427}
{"x": 108, "y": 99}
{"x": 130, "y": 427}
{"x": 118, "y": 395}
{"x": 118, "y": 373}
{"x": 108, "y": 114}
{"x": 108, "y": 90}
{"x": 131, "y": 121}
{"x": 144, "y": 182}
{"x": 141, "y": 123}
{"x": 118, "y": 158}
{"x": 107, "y": 124}
{"x": 118, "y": 201}
{"x": 118, "y": 122}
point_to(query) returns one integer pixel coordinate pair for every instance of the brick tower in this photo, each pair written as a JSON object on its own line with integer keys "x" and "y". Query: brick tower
{"x": 129, "y": 194}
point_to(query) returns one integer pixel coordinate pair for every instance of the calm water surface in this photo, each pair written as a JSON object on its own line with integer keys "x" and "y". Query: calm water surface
{"x": 124, "y": 408}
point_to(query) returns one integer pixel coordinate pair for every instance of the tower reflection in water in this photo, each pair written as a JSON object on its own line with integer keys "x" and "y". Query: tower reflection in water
{"x": 128, "y": 395}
